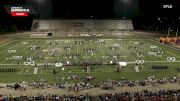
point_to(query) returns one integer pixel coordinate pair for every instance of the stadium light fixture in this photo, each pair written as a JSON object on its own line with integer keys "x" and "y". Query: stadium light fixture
{"x": 125, "y": 1}
{"x": 39, "y": 6}
{"x": 40, "y": 1}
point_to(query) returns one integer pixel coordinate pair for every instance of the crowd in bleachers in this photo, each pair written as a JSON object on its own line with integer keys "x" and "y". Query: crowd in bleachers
{"x": 161, "y": 95}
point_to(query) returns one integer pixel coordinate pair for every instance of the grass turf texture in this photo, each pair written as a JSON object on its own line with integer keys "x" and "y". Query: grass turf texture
{"x": 101, "y": 73}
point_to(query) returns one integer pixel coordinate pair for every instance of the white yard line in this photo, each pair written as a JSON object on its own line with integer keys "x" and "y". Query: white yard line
{"x": 123, "y": 49}
{"x": 21, "y": 71}
{"x": 86, "y": 53}
{"x": 102, "y": 52}
{"x": 165, "y": 45}
{"x": 108, "y": 71}
{"x": 4, "y": 55}
{"x": 13, "y": 54}
{"x": 41, "y": 69}
{"x": 163, "y": 61}
{"x": 130, "y": 62}
{"x": 77, "y": 51}
{"x": 27, "y": 52}
{"x": 168, "y": 51}
{"x": 42, "y": 46}
{"x": 9, "y": 48}
{"x": 107, "y": 45}
{"x": 147, "y": 49}
{"x": 113, "y": 52}
{"x": 7, "y": 43}
{"x": 173, "y": 54}
{"x": 19, "y": 48}
{"x": 119, "y": 44}
{"x": 94, "y": 53}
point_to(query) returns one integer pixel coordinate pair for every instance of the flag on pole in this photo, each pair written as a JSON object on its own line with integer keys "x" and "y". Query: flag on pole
{"x": 168, "y": 32}
{"x": 177, "y": 32}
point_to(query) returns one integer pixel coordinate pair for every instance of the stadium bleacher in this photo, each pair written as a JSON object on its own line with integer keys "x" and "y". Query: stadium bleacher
{"x": 82, "y": 27}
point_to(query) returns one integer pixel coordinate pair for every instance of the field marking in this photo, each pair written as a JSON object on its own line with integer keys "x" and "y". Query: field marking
{"x": 40, "y": 70}
{"x": 167, "y": 52}
{"x": 86, "y": 53}
{"x": 106, "y": 46}
{"x": 49, "y": 46}
{"x": 147, "y": 49}
{"x": 113, "y": 51}
{"x": 169, "y": 47}
{"x": 19, "y": 48}
{"x": 62, "y": 45}
{"x": 129, "y": 62}
{"x": 94, "y": 52}
{"x": 7, "y": 43}
{"x": 9, "y": 48}
{"x": 114, "y": 41}
{"x": 164, "y": 61}
{"x": 125, "y": 49}
{"x": 45, "y": 72}
{"x": 22, "y": 71}
{"x": 173, "y": 54}
{"x": 164, "y": 45}
{"x": 109, "y": 44}
{"x": 102, "y": 52}
{"x": 5, "y": 55}
{"x": 103, "y": 71}
{"x": 28, "y": 52}
{"x": 22, "y": 54}
{"x": 156, "y": 62}
{"x": 77, "y": 51}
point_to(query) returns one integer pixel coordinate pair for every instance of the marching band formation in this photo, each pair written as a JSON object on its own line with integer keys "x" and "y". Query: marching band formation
{"x": 68, "y": 53}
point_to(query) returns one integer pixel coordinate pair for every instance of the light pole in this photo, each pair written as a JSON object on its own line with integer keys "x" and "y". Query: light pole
{"x": 39, "y": 7}
{"x": 124, "y": 16}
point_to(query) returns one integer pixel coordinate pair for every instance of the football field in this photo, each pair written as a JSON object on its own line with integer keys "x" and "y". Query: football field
{"x": 61, "y": 59}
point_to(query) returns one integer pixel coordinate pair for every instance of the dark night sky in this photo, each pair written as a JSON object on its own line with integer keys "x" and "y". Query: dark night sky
{"x": 97, "y": 8}
{"x": 141, "y": 11}
{"x": 155, "y": 7}
{"x": 83, "y": 8}
{"x": 107, "y": 8}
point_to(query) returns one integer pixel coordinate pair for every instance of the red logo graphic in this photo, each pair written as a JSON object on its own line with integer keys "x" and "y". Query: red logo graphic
{"x": 19, "y": 13}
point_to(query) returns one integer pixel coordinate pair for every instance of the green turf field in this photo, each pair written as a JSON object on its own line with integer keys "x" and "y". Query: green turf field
{"x": 22, "y": 55}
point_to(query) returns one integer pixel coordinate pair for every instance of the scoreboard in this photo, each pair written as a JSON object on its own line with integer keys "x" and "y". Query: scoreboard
{"x": 160, "y": 7}
{"x": 19, "y": 11}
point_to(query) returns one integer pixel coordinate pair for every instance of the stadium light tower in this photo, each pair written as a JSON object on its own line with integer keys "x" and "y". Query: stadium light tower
{"x": 39, "y": 6}
{"x": 125, "y": 1}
